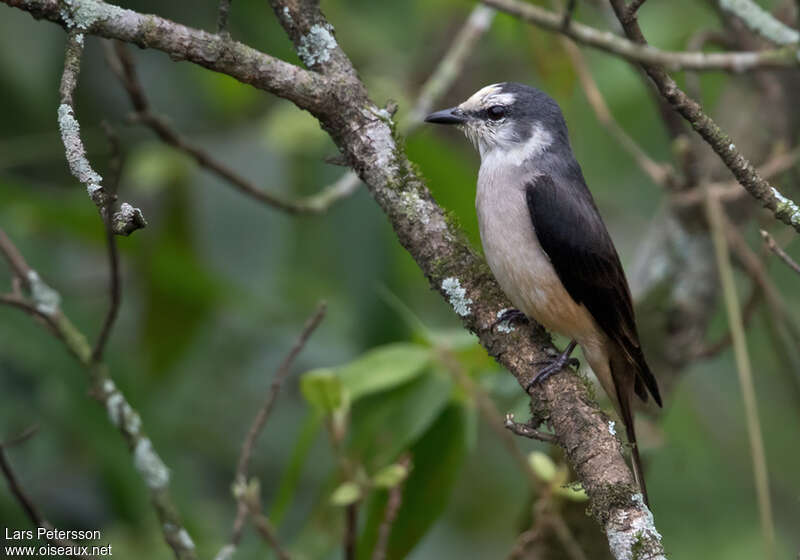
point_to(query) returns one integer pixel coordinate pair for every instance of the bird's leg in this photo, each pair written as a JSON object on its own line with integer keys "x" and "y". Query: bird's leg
{"x": 554, "y": 365}
{"x": 510, "y": 316}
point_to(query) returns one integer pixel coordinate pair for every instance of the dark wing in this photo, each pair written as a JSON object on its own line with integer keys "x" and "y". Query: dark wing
{"x": 572, "y": 233}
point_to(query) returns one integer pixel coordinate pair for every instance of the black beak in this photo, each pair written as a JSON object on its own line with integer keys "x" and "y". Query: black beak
{"x": 453, "y": 115}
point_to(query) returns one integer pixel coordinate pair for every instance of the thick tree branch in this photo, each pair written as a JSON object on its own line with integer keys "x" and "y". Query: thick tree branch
{"x": 785, "y": 57}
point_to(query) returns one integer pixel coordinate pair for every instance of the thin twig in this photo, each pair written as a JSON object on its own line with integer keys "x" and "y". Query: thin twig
{"x": 633, "y": 8}
{"x": 121, "y": 62}
{"x": 659, "y": 173}
{"x": 769, "y": 241}
{"x": 260, "y": 420}
{"x": 128, "y": 219}
{"x": 351, "y": 531}
{"x": 449, "y": 67}
{"x": 717, "y": 224}
{"x": 115, "y": 281}
{"x": 22, "y": 497}
{"x": 527, "y": 431}
{"x": 712, "y": 349}
{"x": 393, "y": 503}
{"x": 675, "y": 60}
{"x": 222, "y": 16}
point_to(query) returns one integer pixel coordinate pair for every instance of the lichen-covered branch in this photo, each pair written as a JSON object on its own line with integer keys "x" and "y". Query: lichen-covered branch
{"x": 44, "y": 303}
{"x": 785, "y": 57}
{"x": 128, "y": 219}
{"x": 365, "y": 134}
{"x": 760, "y": 21}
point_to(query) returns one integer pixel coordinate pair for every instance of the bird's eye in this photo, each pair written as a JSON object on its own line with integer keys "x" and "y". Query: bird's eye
{"x": 496, "y": 112}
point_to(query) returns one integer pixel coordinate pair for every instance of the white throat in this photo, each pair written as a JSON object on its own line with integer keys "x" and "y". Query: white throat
{"x": 501, "y": 150}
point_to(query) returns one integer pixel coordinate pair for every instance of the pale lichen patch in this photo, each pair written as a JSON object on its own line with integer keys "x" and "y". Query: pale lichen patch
{"x": 629, "y": 532}
{"x": 457, "y": 295}
{"x": 786, "y": 208}
{"x": 149, "y": 464}
{"x": 316, "y": 45}
{"x": 47, "y": 300}
{"x": 612, "y": 427}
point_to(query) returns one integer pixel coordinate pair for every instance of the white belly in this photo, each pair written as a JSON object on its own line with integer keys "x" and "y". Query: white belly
{"x": 519, "y": 264}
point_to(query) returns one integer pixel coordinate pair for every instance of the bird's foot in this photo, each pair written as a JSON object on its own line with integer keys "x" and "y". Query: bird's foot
{"x": 554, "y": 365}
{"x": 510, "y": 316}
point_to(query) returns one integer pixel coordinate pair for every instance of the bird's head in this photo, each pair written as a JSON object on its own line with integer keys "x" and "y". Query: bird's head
{"x": 511, "y": 120}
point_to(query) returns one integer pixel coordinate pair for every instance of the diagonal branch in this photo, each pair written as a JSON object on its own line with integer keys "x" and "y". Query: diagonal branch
{"x": 769, "y": 241}
{"x": 122, "y": 64}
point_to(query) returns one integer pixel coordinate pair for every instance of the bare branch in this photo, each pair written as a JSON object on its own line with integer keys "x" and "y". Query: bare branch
{"x": 115, "y": 282}
{"x": 716, "y": 220}
{"x": 659, "y": 173}
{"x": 393, "y": 504}
{"x": 527, "y": 430}
{"x": 277, "y": 381}
{"x": 782, "y": 208}
{"x": 222, "y": 16}
{"x": 769, "y": 241}
{"x": 243, "y": 466}
{"x": 123, "y": 65}
{"x": 674, "y": 60}
{"x": 350, "y": 531}
{"x": 128, "y": 219}
{"x": 26, "y": 502}
{"x": 761, "y": 21}
{"x": 450, "y": 66}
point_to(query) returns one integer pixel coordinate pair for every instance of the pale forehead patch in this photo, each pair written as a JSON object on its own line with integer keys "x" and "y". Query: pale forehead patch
{"x": 490, "y": 95}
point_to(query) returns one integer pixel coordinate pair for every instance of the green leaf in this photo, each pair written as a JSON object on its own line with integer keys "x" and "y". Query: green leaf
{"x": 542, "y": 465}
{"x": 383, "y": 368}
{"x": 385, "y": 424}
{"x": 322, "y": 389}
{"x": 390, "y": 476}
{"x": 346, "y": 494}
{"x": 436, "y": 458}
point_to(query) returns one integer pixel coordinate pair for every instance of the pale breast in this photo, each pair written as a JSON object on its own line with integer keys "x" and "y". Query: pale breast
{"x": 518, "y": 262}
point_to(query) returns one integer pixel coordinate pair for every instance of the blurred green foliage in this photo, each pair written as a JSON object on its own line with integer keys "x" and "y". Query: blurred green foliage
{"x": 217, "y": 287}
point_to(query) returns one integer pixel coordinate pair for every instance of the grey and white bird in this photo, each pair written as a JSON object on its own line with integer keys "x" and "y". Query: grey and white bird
{"x": 546, "y": 243}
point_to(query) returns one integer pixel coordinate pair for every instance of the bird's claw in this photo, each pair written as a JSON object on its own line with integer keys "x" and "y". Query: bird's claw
{"x": 554, "y": 365}
{"x": 510, "y": 316}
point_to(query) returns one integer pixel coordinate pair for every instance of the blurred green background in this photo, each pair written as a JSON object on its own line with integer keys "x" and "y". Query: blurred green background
{"x": 217, "y": 287}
